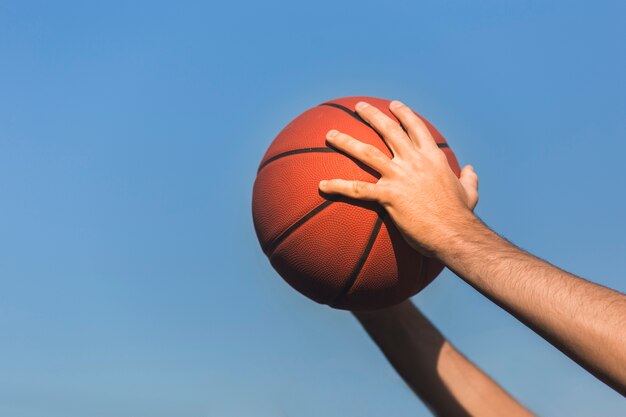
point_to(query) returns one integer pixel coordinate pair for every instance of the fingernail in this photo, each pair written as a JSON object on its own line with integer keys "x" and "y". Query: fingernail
{"x": 395, "y": 104}
{"x": 332, "y": 133}
{"x": 361, "y": 105}
{"x": 323, "y": 183}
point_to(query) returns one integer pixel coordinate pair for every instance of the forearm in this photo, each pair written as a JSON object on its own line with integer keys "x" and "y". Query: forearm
{"x": 584, "y": 320}
{"x": 447, "y": 382}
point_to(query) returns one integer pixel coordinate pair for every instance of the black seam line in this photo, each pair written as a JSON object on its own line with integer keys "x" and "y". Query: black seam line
{"x": 347, "y": 110}
{"x": 360, "y": 119}
{"x": 294, "y": 152}
{"x": 359, "y": 265}
{"x": 284, "y": 235}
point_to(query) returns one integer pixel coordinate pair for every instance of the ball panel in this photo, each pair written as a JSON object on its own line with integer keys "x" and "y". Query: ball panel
{"x": 286, "y": 189}
{"x": 320, "y": 256}
{"x": 391, "y": 274}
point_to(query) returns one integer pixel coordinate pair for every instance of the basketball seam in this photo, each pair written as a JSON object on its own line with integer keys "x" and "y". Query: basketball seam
{"x": 327, "y": 150}
{"x": 269, "y": 251}
{"x": 346, "y": 110}
{"x": 295, "y": 152}
{"x": 361, "y": 262}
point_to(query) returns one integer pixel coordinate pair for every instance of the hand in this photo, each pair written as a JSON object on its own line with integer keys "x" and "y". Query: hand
{"x": 417, "y": 187}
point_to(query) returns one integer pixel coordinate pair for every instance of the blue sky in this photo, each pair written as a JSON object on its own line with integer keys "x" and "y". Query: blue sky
{"x": 131, "y": 281}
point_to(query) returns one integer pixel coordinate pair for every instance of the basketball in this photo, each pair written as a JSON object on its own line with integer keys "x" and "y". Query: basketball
{"x": 345, "y": 253}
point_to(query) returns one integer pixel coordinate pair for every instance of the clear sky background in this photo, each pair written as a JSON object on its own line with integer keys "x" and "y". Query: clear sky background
{"x": 131, "y": 280}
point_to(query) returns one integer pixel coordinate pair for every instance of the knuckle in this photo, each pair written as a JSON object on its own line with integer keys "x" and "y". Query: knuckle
{"x": 386, "y": 194}
{"x": 408, "y": 113}
{"x": 377, "y": 156}
{"x": 418, "y": 125}
{"x": 394, "y": 129}
{"x": 373, "y": 110}
{"x": 392, "y": 192}
{"x": 383, "y": 161}
{"x": 379, "y": 117}
{"x": 371, "y": 152}
{"x": 439, "y": 156}
{"x": 419, "y": 122}
{"x": 383, "y": 193}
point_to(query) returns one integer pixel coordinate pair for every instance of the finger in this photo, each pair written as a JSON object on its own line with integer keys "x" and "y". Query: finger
{"x": 393, "y": 134}
{"x": 359, "y": 190}
{"x": 368, "y": 154}
{"x": 469, "y": 181}
{"x": 414, "y": 125}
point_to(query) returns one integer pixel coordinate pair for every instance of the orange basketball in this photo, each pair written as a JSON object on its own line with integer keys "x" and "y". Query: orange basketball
{"x": 344, "y": 253}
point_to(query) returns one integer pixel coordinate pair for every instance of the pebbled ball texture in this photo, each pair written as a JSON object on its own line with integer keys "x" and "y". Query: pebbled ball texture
{"x": 344, "y": 253}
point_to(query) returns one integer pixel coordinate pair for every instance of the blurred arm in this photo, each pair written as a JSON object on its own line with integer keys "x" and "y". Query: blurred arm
{"x": 447, "y": 382}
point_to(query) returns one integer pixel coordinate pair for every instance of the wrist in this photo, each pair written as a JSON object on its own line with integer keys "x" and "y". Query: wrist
{"x": 457, "y": 234}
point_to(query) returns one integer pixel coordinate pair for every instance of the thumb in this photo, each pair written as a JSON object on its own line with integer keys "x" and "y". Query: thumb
{"x": 469, "y": 181}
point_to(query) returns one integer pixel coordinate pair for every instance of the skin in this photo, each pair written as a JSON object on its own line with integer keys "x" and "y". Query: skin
{"x": 447, "y": 382}
{"x": 431, "y": 207}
